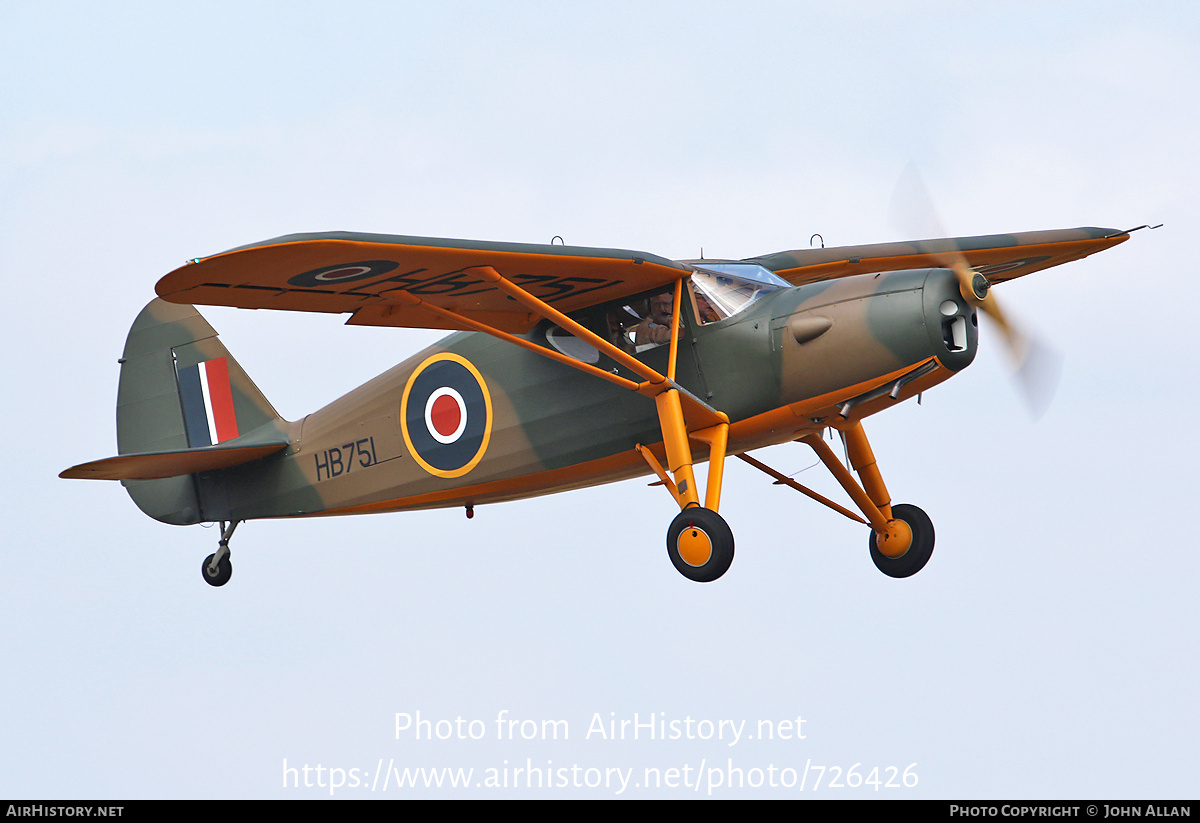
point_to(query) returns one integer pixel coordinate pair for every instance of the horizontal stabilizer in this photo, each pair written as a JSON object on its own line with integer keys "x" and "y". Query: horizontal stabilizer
{"x": 157, "y": 465}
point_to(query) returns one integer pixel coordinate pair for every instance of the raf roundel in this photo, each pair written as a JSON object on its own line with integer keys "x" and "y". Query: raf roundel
{"x": 446, "y": 415}
{"x": 342, "y": 273}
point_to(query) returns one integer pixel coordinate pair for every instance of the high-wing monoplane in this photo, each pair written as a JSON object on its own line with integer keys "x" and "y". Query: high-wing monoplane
{"x": 571, "y": 367}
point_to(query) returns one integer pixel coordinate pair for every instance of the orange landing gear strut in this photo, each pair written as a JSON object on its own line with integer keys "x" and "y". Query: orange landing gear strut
{"x": 699, "y": 541}
{"x": 892, "y": 536}
{"x": 902, "y": 536}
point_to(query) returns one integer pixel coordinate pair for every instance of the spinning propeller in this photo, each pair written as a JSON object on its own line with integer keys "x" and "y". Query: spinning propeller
{"x": 1036, "y": 366}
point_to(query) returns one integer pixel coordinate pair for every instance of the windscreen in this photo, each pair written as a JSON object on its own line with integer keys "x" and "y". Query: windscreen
{"x": 724, "y": 289}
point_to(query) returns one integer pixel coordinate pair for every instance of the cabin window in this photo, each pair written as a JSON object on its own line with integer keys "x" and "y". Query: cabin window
{"x": 637, "y": 325}
{"x": 633, "y": 325}
{"x": 571, "y": 346}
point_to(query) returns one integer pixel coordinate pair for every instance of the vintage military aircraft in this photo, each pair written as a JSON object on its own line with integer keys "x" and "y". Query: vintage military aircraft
{"x": 573, "y": 367}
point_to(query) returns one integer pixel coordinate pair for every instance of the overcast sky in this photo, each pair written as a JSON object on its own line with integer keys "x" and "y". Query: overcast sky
{"x": 1047, "y": 651}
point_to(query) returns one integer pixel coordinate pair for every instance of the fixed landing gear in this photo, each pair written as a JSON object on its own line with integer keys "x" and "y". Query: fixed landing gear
{"x": 913, "y": 558}
{"x": 217, "y": 569}
{"x": 700, "y": 544}
{"x": 217, "y": 572}
{"x": 901, "y": 535}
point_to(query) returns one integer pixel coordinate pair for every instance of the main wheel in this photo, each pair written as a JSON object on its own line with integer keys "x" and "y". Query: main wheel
{"x": 700, "y": 544}
{"x": 224, "y": 571}
{"x": 913, "y": 560}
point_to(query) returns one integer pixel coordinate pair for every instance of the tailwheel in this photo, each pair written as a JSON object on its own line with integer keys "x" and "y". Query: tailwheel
{"x": 909, "y": 560}
{"x": 217, "y": 574}
{"x": 217, "y": 569}
{"x": 700, "y": 544}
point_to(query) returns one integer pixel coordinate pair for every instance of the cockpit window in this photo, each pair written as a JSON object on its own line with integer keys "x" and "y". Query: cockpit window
{"x": 632, "y": 324}
{"x": 724, "y": 289}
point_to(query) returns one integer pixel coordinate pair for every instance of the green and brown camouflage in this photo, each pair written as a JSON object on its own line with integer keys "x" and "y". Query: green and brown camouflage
{"x": 781, "y": 347}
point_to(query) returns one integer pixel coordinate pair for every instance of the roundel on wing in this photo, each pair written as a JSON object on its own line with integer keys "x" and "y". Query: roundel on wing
{"x": 446, "y": 415}
{"x": 342, "y": 273}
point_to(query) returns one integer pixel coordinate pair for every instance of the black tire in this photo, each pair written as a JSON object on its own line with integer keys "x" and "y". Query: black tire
{"x": 224, "y": 571}
{"x": 918, "y": 554}
{"x": 697, "y": 523}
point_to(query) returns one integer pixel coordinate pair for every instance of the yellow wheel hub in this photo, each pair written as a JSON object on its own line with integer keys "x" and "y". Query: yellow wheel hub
{"x": 694, "y": 546}
{"x": 896, "y": 540}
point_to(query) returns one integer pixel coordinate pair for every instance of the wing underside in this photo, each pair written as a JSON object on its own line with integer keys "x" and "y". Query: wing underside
{"x": 389, "y": 280}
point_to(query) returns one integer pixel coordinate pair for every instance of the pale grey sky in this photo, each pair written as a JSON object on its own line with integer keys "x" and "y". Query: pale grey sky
{"x": 1046, "y": 651}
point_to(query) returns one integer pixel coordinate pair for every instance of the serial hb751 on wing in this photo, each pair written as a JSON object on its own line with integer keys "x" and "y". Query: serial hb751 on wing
{"x": 573, "y": 367}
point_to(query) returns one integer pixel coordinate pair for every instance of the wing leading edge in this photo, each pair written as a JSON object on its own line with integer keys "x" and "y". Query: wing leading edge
{"x": 999, "y": 257}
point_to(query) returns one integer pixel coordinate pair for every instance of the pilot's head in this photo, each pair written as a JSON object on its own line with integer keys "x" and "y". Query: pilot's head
{"x": 660, "y": 308}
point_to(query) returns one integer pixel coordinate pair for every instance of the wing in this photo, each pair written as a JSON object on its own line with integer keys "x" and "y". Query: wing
{"x": 999, "y": 257}
{"x": 377, "y": 277}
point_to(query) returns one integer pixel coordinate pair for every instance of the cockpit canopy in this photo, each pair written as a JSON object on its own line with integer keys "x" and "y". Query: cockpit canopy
{"x": 724, "y": 289}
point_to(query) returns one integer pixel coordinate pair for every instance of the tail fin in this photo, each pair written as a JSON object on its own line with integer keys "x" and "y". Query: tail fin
{"x": 180, "y": 387}
{"x": 184, "y": 401}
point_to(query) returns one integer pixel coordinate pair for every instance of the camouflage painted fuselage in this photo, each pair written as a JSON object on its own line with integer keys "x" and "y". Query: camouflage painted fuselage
{"x": 787, "y": 365}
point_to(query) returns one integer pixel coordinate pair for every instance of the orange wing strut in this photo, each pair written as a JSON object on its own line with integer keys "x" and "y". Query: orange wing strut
{"x": 675, "y": 303}
{"x": 561, "y": 320}
{"x": 413, "y": 300}
{"x": 712, "y": 426}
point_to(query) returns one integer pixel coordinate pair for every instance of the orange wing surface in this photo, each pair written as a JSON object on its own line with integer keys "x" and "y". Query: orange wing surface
{"x": 390, "y": 280}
